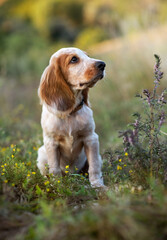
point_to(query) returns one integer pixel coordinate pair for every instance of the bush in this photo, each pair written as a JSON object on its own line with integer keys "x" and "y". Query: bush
{"x": 144, "y": 142}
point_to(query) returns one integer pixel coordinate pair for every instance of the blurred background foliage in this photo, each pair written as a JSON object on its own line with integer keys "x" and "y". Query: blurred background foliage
{"x": 125, "y": 34}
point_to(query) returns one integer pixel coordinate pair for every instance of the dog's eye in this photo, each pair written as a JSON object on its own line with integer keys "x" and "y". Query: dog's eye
{"x": 74, "y": 59}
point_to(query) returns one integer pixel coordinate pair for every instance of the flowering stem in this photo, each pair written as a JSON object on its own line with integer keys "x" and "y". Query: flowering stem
{"x": 151, "y": 140}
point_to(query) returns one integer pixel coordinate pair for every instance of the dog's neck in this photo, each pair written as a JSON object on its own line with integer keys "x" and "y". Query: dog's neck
{"x": 79, "y": 102}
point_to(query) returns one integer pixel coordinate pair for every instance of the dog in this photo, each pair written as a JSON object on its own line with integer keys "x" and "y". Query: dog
{"x": 67, "y": 119}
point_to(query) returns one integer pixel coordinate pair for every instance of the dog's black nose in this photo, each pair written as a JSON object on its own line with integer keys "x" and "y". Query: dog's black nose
{"x": 100, "y": 65}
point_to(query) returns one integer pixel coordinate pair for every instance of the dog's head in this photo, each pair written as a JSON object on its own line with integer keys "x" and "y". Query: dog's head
{"x": 69, "y": 70}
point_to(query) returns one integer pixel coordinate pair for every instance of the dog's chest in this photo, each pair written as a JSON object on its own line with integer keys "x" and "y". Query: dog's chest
{"x": 64, "y": 140}
{"x": 69, "y": 133}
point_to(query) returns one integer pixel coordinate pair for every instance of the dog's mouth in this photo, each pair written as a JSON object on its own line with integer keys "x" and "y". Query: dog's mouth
{"x": 93, "y": 81}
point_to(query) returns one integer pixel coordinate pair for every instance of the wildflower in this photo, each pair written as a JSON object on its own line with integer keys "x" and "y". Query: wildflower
{"x": 12, "y": 156}
{"x": 76, "y": 168}
{"x": 2, "y": 166}
{"x": 2, "y": 173}
{"x": 34, "y": 173}
{"x": 14, "y": 149}
{"x": 58, "y": 181}
{"x": 30, "y": 153}
{"x": 12, "y": 146}
{"x": 34, "y": 148}
{"x": 6, "y": 181}
{"x": 47, "y": 189}
{"x": 18, "y": 149}
{"x": 28, "y": 175}
{"x": 125, "y": 165}
{"x": 120, "y": 160}
{"x": 23, "y": 163}
{"x": 126, "y": 154}
{"x": 28, "y": 163}
{"x": 130, "y": 171}
{"x": 86, "y": 174}
{"x": 46, "y": 183}
{"x": 3, "y": 149}
{"x": 66, "y": 172}
{"x": 67, "y": 166}
{"x": 5, "y": 164}
{"x": 3, "y": 169}
{"x": 119, "y": 167}
{"x": 13, "y": 184}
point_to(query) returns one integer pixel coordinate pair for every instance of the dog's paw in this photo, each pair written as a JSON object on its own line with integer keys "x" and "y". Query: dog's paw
{"x": 55, "y": 172}
{"x": 98, "y": 183}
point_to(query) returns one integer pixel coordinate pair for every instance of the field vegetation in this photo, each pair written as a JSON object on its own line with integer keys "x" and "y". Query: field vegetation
{"x": 132, "y": 130}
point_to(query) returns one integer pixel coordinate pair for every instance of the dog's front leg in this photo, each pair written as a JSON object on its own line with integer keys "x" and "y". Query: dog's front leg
{"x": 91, "y": 144}
{"x": 53, "y": 156}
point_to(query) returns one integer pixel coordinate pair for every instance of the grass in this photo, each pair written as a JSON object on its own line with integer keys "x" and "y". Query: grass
{"x": 35, "y": 207}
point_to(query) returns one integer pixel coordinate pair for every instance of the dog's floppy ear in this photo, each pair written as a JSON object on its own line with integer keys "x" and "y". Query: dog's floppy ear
{"x": 54, "y": 88}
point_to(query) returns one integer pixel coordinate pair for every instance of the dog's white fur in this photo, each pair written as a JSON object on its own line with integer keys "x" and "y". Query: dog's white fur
{"x": 68, "y": 130}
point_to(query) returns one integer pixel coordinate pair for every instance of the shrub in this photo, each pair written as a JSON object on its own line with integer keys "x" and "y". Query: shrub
{"x": 144, "y": 141}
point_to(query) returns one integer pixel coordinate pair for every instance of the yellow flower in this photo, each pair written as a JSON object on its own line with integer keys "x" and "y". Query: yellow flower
{"x": 12, "y": 156}
{"x": 130, "y": 171}
{"x": 76, "y": 168}
{"x": 34, "y": 148}
{"x": 119, "y": 167}
{"x": 46, "y": 183}
{"x": 66, "y": 172}
{"x": 58, "y": 181}
{"x": 2, "y": 166}
{"x": 30, "y": 153}
{"x": 6, "y": 181}
{"x": 5, "y": 164}
{"x": 67, "y": 166}
{"x": 23, "y": 163}
{"x": 28, "y": 175}
{"x": 12, "y": 146}
{"x": 18, "y": 150}
{"x": 34, "y": 173}
{"x": 126, "y": 154}
{"x": 28, "y": 164}
{"x": 13, "y": 184}
{"x": 3, "y": 169}
{"x": 14, "y": 149}
{"x": 3, "y": 149}
{"x": 124, "y": 165}
{"x": 47, "y": 189}
{"x": 2, "y": 173}
{"x": 120, "y": 160}
{"x": 86, "y": 174}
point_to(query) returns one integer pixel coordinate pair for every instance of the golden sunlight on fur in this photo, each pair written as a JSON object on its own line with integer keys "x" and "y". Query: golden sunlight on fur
{"x": 67, "y": 119}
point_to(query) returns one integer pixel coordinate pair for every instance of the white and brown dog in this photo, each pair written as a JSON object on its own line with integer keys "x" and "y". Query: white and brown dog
{"x": 67, "y": 120}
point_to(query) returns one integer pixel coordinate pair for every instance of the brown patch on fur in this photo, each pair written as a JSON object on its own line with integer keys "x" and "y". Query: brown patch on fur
{"x": 60, "y": 139}
{"x": 54, "y": 87}
{"x": 85, "y": 96}
{"x": 90, "y": 73}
